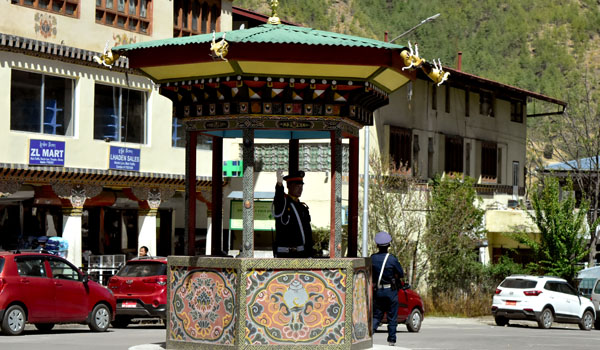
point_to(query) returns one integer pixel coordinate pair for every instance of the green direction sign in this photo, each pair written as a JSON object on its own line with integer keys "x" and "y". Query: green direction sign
{"x": 263, "y": 219}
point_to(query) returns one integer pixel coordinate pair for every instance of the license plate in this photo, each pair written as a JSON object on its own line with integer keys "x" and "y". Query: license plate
{"x": 511, "y": 302}
{"x": 129, "y": 304}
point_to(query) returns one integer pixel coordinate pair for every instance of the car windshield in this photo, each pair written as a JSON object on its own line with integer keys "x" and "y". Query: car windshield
{"x": 143, "y": 269}
{"x": 518, "y": 283}
{"x": 586, "y": 285}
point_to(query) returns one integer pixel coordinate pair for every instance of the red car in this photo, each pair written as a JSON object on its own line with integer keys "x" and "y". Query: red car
{"x": 45, "y": 289}
{"x": 410, "y": 309}
{"x": 141, "y": 290}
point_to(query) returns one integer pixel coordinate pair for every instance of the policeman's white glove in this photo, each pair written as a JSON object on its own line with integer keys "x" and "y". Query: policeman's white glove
{"x": 280, "y": 177}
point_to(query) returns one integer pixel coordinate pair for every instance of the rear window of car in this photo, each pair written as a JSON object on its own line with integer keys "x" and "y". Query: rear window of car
{"x": 518, "y": 283}
{"x": 143, "y": 269}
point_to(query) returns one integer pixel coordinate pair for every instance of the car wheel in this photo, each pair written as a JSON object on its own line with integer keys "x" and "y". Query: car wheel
{"x": 14, "y": 320}
{"x": 100, "y": 318}
{"x": 44, "y": 327}
{"x": 587, "y": 321}
{"x": 545, "y": 319}
{"x": 501, "y": 321}
{"x": 121, "y": 322}
{"x": 413, "y": 322}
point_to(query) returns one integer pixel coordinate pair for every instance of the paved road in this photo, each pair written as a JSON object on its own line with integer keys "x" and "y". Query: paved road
{"x": 436, "y": 334}
{"x": 483, "y": 334}
{"x": 79, "y": 337}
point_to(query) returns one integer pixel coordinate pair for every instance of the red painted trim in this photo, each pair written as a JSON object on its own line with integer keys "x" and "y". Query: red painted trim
{"x": 294, "y": 151}
{"x": 266, "y": 52}
{"x": 217, "y": 195}
{"x": 190, "y": 179}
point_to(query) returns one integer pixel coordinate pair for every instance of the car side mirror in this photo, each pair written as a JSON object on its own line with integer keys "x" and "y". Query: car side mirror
{"x": 406, "y": 286}
{"x": 85, "y": 279}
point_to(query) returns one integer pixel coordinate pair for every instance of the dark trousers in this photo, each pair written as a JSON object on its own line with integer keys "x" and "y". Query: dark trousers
{"x": 386, "y": 301}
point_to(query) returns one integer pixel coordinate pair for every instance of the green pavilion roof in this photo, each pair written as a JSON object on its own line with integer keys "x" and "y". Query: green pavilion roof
{"x": 273, "y": 34}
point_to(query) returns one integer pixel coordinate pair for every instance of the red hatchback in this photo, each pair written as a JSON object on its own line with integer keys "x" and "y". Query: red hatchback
{"x": 410, "y": 308}
{"x": 45, "y": 289}
{"x": 141, "y": 290}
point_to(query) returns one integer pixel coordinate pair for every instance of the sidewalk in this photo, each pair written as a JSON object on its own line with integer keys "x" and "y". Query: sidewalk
{"x": 162, "y": 347}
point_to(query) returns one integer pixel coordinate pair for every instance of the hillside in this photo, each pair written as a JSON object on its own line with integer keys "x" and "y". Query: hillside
{"x": 541, "y": 45}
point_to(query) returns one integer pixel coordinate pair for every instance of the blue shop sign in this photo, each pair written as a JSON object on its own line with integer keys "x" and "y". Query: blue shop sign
{"x": 43, "y": 152}
{"x": 123, "y": 158}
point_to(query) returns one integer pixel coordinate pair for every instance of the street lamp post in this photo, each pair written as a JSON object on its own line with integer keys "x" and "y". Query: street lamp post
{"x": 428, "y": 19}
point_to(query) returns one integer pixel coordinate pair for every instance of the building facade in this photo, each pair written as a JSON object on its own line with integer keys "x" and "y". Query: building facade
{"x": 90, "y": 152}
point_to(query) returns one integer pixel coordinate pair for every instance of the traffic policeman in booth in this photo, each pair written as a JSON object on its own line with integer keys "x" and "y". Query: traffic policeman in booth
{"x": 387, "y": 275}
{"x": 293, "y": 233}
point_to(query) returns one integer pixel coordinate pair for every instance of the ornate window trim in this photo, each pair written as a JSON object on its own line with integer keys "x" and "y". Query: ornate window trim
{"x": 131, "y": 15}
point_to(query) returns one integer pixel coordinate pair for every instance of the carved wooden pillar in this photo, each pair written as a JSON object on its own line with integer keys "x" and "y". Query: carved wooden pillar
{"x": 335, "y": 238}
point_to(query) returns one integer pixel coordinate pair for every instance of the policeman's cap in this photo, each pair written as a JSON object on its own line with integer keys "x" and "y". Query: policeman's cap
{"x": 295, "y": 176}
{"x": 383, "y": 238}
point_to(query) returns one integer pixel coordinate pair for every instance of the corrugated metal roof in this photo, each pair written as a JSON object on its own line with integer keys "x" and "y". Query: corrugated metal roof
{"x": 582, "y": 164}
{"x": 270, "y": 33}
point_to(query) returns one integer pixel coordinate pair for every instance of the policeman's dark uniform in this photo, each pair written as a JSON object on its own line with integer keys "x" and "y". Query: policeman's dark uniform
{"x": 293, "y": 234}
{"x": 386, "y": 294}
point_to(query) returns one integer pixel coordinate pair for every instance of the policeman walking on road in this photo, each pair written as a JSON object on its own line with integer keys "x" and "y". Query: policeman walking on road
{"x": 387, "y": 274}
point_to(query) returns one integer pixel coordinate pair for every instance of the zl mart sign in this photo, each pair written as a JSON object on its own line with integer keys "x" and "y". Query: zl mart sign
{"x": 123, "y": 158}
{"x": 43, "y": 152}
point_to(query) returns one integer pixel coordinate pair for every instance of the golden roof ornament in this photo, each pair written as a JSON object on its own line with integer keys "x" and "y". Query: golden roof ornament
{"x": 274, "y": 19}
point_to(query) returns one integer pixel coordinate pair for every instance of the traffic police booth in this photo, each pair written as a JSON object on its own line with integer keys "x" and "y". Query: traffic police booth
{"x": 284, "y": 82}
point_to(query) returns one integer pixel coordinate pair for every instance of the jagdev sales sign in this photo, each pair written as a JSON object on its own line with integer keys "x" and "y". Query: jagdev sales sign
{"x": 123, "y": 158}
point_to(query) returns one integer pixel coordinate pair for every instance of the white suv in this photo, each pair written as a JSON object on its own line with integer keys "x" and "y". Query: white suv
{"x": 542, "y": 299}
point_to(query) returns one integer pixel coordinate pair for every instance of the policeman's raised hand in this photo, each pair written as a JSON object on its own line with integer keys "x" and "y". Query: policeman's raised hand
{"x": 279, "y": 177}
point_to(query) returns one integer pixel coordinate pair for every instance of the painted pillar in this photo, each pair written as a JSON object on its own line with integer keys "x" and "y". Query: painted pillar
{"x": 293, "y": 154}
{"x": 217, "y": 198}
{"x": 191, "y": 138}
{"x": 73, "y": 196}
{"x": 72, "y": 233}
{"x": 353, "y": 200}
{"x": 149, "y": 201}
{"x": 147, "y": 227}
{"x": 335, "y": 238}
{"x": 248, "y": 195}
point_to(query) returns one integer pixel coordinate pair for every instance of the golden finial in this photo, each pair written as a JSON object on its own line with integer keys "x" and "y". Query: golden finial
{"x": 274, "y": 19}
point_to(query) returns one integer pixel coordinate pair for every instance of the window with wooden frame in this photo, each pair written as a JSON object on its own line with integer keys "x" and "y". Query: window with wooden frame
{"x": 486, "y": 103}
{"x": 400, "y": 147}
{"x": 453, "y": 158}
{"x": 191, "y": 17}
{"x": 132, "y": 15}
{"x": 489, "y": 160}
{"x": 516, "y": 111}
{"x": 62, "y": 7}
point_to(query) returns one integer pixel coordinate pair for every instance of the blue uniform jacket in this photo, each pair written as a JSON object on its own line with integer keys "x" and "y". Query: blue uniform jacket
{"x": 392, "y": 270}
